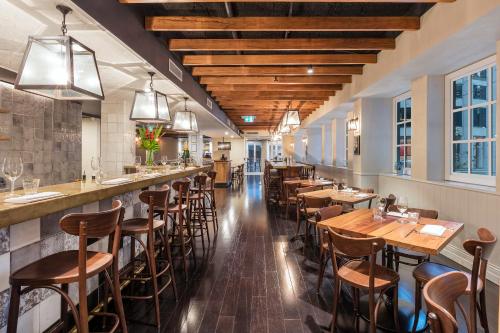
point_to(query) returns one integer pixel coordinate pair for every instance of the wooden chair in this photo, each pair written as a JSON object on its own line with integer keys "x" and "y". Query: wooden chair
{"x": 310, "y": 208}
{"x": 76, "y": 267}
{"x": 156, "y": 267}
{"x": 308, "y": 171}
{"x": 408, "y": 254}
{"x": 290, "y": 195}
{"x": 292, "y": 171}
{"x": 321, "y": 215}
{"x": 300, "y": 204}
{"x": 210, "y": 195}
{"x": 181, "y": 234}
{"x": 197, "y": 209}
{"x": 362, "y": 275}
{"x": 441, "y": 295}
{"x": 481, "y": 249}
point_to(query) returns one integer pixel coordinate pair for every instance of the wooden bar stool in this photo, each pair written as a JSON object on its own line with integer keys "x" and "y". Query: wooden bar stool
{"x": 362, "y": 275}
{"x": 211, "y": 212}
{"x": 441, "y": 295}
{"x": 181, "y": 234}
{"x": 481, "y": 249}
{"x": 156, "y": 266}
{"x": 76, "y": 266}
{"x": 197, "y": 209}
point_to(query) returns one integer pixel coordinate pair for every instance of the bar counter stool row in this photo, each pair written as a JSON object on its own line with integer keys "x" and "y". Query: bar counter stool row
{"x": 152, "y": 271}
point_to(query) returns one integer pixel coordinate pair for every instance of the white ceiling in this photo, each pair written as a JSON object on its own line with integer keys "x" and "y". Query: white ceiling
{"x": 122, "y": 71}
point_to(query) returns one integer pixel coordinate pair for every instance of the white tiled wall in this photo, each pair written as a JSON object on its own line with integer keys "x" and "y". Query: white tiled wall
{"x": 24, "y": 233}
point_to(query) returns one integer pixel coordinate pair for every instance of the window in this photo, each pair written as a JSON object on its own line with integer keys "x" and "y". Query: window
{"x": 402, "y": 115}
{"x": 472, "y": 104}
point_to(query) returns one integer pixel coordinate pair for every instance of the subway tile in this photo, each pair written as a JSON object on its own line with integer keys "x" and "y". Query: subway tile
{"x": 24, "y": 256}
{"x": 52, "y": 244}
{"x": 4, "y": 240}
{"x": 49, "y": 311}
{"x": 91, "y": 207}
{"x": 24, "y": 233}
{"x": 30, "y": 321}
{"x": 4, "y": 307}
{"x": 4, "y": 271}
{"x": 50, "y": 224}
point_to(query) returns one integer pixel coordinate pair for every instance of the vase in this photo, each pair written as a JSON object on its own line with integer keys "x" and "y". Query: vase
{"x": 150, "y": 157}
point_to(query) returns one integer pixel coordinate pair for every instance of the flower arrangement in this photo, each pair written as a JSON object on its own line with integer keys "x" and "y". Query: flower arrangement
{"x": 149, "y": 140}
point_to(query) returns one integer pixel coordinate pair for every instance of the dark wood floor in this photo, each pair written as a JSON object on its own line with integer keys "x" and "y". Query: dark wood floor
{"x": 254, "y": 279}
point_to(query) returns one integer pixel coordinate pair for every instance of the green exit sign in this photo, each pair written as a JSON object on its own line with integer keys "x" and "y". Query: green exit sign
{"x": 248, "y": 119}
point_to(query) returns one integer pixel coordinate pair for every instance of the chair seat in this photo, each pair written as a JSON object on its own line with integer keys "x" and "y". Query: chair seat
{"x": 139, "y": 226}
{"x": 410, "y": 254}
{"x": 357, "y": 273}
{"x": 60, "y": 267}
{"x": 428, "y": 270}
{"x": 311, "y": 211}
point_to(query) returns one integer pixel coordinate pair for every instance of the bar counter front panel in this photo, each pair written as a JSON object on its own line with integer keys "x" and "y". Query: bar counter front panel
{"x": 29, "y": 232}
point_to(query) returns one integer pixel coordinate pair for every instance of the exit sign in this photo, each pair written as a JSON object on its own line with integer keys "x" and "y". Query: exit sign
{"x": 248, "y": 119}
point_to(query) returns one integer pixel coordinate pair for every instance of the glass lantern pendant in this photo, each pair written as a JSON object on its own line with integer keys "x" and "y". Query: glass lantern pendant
{"x": 292, "y": 118}
{"x": 150, "y": 106}
{"x": 185, "y": 121}
{"x": 60, "y": 67}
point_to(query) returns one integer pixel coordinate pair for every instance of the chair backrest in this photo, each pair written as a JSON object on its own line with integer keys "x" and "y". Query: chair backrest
{"x": 290, "y": 189}
{"x": 441, "y": 294}
{"x": 157, "y": 198}
{"x": 200, "y": 182}
{"x": 427, "y": 213}
{"x": 212, "y": 174}
{"x": 97, "y": 225}
{"x": 292, "y": 171}
{"x": 389, "y": 201}
{"x": 182, "y": 186}
{"x": 317, "y": 202}
{"x": 329, "y": 212}
{"x": 364, "y": 190}
{"x": 308, "y": 171}
{"x": 308, "y": 189}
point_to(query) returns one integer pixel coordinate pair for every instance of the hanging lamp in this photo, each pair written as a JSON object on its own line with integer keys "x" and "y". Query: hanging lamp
{"x": 185, "y": 121}
{"x": 292, "y": 118}
{"x": 150, "y": 106}
{"x": 60, "y": 67}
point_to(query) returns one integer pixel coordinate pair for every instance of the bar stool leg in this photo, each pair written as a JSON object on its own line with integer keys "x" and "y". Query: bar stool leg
{"x": 418, "y": 304}
{"x": 64, "y": 308}
{"x": 202, "y": 212}
{"x": 15, "y": 295}
{"x": 154, "y": 279}
{"x": 114, "y": 285}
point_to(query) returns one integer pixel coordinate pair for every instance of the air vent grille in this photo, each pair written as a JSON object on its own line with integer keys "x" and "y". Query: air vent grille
{"x": 174, "y": 69}
{"x": 209, "y": 103}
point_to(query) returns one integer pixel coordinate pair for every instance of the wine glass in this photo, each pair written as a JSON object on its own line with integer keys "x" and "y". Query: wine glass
{"x": 402, "y": 204}
{"x": 12, "y": 168}
{"x": 95, "y": 163}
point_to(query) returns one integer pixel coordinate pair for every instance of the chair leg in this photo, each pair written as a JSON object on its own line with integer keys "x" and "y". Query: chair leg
{"x": 15, "y": 295}
{"x": 373, "y": 314}
{"x": 395, "y": 309}
{"x": 154, "y": 278}
{"x": 418, "y": 304}
{"x": 482, "y": 310}
{"x": 168, "y": 256}
{"x": 323, "y": 259}
{"x": 117, "y": 297}
{"x": 396, "y": 260}
{"x": 336, "y": 294}
{"x": 298, "y": 220}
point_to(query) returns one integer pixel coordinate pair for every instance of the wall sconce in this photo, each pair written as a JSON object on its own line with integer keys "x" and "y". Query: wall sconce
{"x": 353, "y": 124}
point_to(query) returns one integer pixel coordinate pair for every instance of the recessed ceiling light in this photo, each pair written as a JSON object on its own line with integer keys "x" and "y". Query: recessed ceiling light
{"x": 226, "y": 133}
{"x": 310, "y": 70}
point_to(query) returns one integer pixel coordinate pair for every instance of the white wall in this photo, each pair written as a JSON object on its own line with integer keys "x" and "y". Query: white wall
{"x": 91, "y": 143}
{"x": 236, "y": 155}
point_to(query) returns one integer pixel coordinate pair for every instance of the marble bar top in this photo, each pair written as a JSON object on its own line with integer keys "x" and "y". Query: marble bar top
{"x": 81, "y": 193}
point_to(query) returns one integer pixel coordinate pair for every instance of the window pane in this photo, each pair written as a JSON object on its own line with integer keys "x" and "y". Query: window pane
{"x": 408, "y": 157}
{"x": 479, "y": 158}
{"x": 460, "y": 92}
{"x": 494, "y": 83}
{"x": 479, "y": 128}
{"x": 493, "y": 120}
{"x": 480, "y": 87}
{"x": 493, "y": 158}
{"x": 408, "y": 108}
{"x": 460, "y": 157}
{"x": 400, "y": 111}
{"x": 400, "y": 132}
{"x": 400, "y": 157}
{"x": 460, "y": 125}
{"x": 408, "y": 132}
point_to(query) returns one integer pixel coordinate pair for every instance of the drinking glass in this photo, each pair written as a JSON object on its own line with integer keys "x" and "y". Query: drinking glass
{"x": 402, "y": 204}
{"x": 381, "y": 206}
{"x": 30, "y": 185}
{"x": 12, "y": 168}
{"x": 95, "y": 163}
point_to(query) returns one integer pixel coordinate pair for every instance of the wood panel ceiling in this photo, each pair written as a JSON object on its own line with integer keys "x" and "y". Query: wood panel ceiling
{"x": 263, "y": 57}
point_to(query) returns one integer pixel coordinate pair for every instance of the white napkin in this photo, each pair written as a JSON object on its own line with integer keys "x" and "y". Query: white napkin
{"x": 349, "y": 190}
{"x": 33, "y": 197}
{"x": 361, "y": 195}
{"x": 397, "y": 214}
{"x": 116, "y": 181}
{"x": 433, "y": 230}
{"x": 152, "y": 175}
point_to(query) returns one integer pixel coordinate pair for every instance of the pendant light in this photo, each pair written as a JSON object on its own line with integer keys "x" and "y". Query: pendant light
{"x": 185, "y": 121}
{"x": 292, "y": 118}
{"x": 60, "y": 67}
{"x": 150, "y": 106}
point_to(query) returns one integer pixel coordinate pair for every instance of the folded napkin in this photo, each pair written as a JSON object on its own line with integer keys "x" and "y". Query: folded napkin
{"x": 33, "y": 197}
{"x": 116, "y": 181}
{"x": 397, "y": 214}
{"x": 361, "y": 195}
{"x": 433, "y": 230}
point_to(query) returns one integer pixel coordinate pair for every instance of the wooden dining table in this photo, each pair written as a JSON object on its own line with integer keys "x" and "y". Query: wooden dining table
{"x": 349, "y": 198}
{"x": 309, "y": 182}
{"x": 361, "y": 223}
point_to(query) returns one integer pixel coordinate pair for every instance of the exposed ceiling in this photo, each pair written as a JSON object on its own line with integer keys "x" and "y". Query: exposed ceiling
{"x": 253, "y": 57}
{"x": 121, "y": 70}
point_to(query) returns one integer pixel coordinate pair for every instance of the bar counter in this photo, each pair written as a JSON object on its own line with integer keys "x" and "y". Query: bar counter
{"x": 31, "y": 231}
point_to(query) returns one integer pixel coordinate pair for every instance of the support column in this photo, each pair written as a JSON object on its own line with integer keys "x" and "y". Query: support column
{"x": 497, "y": 118}
{"x": 428, "y": 151}
{"x": 338, "y": 142}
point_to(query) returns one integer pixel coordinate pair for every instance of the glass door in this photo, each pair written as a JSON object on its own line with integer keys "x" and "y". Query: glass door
{"x": 254, "y": 156}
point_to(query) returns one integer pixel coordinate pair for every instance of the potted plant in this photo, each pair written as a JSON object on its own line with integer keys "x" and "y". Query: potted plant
{"x": 150, "y": 138}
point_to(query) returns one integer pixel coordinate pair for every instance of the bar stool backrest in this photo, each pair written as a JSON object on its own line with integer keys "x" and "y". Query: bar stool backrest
{"x": 200, "y": 181}
{"x": 157, "y": 198}
{"x": 212, "y": 174}
{"x": 441, "y": 294}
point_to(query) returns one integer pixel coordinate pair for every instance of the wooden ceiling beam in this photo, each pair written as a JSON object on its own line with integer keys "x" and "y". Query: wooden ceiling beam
{"x": 278, "y": 59}
{"x": 273, "y": 87}
{"x": 290, "y": 44}
{"x": 294, "y": 23}
{"x": 276, "y": 80}
{"x": 260, "y": 103}
{"x": 276, "y": 70}
{"x": 305, "y": 1}
{"x": 224, "y": 99}
{"x": 259, "y": 94}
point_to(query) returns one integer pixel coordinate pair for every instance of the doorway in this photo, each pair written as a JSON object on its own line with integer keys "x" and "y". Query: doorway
{"x": 254, "y": 157}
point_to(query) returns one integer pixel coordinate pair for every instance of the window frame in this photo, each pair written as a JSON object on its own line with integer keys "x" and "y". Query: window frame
{"x": 346, "y": 146}
{"x": 477, "y": 179}
{"x": 395, "y": 144}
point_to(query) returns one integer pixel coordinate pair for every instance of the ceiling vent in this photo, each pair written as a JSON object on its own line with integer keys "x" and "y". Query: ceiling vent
{"x": 209, "y": 103}
{"x": 251, "y": 133}
{"x": 174, "y": 69}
